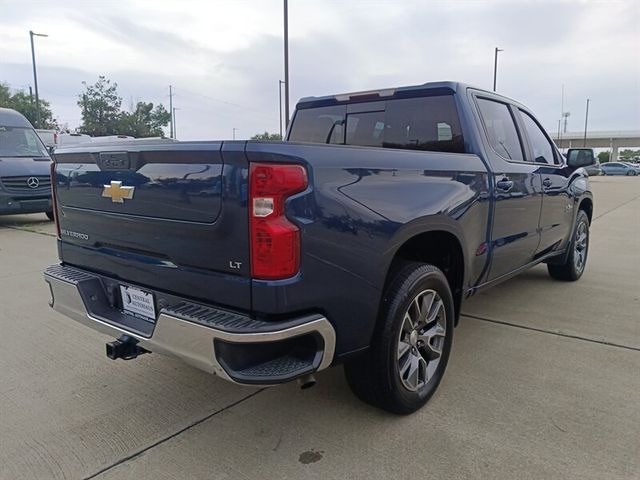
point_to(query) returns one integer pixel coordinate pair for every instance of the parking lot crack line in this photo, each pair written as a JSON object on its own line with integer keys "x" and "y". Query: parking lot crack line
{"x": 551, "y": 332}
{"x": 24, "y": 229}
{"x": 173, "y": 435}
{"x": 616, "y": 208}
{"x": 21, "y": 274}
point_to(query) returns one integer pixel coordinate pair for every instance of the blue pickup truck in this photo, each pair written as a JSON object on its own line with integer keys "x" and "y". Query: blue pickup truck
{"x": 353, "y": 242}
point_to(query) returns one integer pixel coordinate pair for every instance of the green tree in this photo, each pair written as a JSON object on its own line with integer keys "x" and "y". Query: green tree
{"x": 25, "y": 104}
{"x": 144, "y": 120}
{"x": 273, "y": 137}
{"x": 101, "y": 114}
{"x": 100, "y": 108}
{"x": 603, "y": 157}
{"x": 5, "y": 95}
{"x": 628, "y": 154}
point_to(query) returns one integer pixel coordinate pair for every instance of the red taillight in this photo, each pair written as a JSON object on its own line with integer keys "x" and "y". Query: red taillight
{"x": 54, "y": 202}
{"x": 275, "y": 241}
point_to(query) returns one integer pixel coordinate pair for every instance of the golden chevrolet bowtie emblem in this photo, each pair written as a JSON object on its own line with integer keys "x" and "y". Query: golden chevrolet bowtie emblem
{"x": 117, "y": 192}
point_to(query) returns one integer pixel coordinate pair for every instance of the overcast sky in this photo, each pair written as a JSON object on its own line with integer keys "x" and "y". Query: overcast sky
{"x": 224, "y": 58}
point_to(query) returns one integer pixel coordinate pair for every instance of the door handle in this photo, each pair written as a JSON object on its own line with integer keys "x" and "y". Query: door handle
{"x": 547, "y": 182}
{"x": 504, "y": 184}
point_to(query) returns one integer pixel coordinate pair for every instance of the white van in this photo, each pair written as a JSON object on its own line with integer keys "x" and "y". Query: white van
{"x": 67, "y": 139}
{"x": 48, "y": 137}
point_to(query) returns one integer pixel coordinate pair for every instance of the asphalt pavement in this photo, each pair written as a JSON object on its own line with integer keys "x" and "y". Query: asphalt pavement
{"x": 543, "y": 382}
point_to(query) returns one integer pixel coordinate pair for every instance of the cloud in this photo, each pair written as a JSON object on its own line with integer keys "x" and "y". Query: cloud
{"x": 224, "y": 58}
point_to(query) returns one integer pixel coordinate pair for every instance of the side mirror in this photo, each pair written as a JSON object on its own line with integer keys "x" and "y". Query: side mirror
{"x": 580, "y": 157}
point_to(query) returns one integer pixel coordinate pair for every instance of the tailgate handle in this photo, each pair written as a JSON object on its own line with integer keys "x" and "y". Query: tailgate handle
{"x": 114, "y": 161}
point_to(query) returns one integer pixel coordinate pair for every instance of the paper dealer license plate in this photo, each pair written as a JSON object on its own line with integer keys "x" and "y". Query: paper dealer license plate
{"x": 138, "y": 302}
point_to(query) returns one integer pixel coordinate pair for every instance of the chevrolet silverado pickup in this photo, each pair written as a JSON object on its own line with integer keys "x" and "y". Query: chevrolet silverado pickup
{"x": 353, "y": 242}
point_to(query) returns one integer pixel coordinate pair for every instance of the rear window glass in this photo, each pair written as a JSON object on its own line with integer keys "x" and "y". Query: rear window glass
{"x": 20, "y": 142}
{"x": 423, "y": 123}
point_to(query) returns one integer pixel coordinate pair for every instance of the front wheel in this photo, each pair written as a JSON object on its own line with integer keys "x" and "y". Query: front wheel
{"x": 573, "y": 268}
{"x": 410, "y": 348}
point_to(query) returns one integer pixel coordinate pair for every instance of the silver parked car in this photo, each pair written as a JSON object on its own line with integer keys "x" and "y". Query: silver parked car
{"x": 617, "y": 168}
{"x": 635, "y": 166}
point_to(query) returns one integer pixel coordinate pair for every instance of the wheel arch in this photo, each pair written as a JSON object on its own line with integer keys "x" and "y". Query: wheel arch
{"x": 439, "y": 246}
{"x": 586, "y": 204}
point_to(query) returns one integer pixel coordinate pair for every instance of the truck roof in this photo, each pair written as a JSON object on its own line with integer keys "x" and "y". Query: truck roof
{"x": 433, "y": 88}
{"x": 11, "y": 118}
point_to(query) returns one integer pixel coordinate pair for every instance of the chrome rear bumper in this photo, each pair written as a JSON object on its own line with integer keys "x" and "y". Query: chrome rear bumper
{"x": 200, "y": 335}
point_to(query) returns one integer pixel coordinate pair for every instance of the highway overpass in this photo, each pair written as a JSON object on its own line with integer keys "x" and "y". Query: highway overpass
{"x": 612, "y": 140}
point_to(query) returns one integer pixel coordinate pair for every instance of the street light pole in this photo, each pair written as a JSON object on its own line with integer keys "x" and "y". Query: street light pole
{"x": 280, "y": 82}
{"x": 35, "y": 75}
{"x": 286, "y": 62}
{"x": 586, "y": 119}
{"x": 495, "y": 67}
{"x": 234, "y": 132}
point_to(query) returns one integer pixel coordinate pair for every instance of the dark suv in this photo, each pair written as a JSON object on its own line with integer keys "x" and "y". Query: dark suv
{"x": 25, "y": 185}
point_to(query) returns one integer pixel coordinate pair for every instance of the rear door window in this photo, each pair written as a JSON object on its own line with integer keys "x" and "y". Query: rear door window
{"x": 420, "y": 123}
{"x": 501, "y": 129}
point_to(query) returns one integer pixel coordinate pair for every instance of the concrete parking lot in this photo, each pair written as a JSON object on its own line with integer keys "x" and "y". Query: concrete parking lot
{"x": 544, "y": 382}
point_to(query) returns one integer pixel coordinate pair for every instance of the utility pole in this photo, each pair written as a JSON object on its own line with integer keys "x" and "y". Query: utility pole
{"x": 286, "y": 62}
{"x": 566, "y": 120}
{"x": 561, "y": 113}
{"x": 495, "y": 67}
{"x": 35, "y": 75}
{"x": 173, "y": 122}
{"x": 171, "y": 110}
{"x": 234, "y": 132}
{"x": 280, "y": 82}
{"x": 586, "y": 119}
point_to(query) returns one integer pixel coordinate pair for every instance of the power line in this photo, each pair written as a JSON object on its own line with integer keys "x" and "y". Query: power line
{"x": 225, "y": 102}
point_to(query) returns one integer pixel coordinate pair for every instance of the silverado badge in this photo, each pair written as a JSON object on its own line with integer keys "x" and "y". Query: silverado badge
{"x": 117, "y": 192}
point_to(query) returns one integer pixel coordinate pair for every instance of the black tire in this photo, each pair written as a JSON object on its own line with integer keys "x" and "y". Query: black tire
{"x": 375, "y": 376}
{"x": 50, "y": 215}
{"x": 574, "y": 267}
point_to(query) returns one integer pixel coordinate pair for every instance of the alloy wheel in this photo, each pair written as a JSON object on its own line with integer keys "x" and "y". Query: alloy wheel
{"x": 421, "y": 340}
{"x": 580, "y": 247}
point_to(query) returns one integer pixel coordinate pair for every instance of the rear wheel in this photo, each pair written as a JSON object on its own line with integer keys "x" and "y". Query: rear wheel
{"x": 50, "y": 215}
{"x": 410, "y": 349}
{"x": 573, "y": 268}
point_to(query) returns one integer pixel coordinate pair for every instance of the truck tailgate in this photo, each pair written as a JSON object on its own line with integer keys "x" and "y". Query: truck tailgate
{"x": 170, "y": 217}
